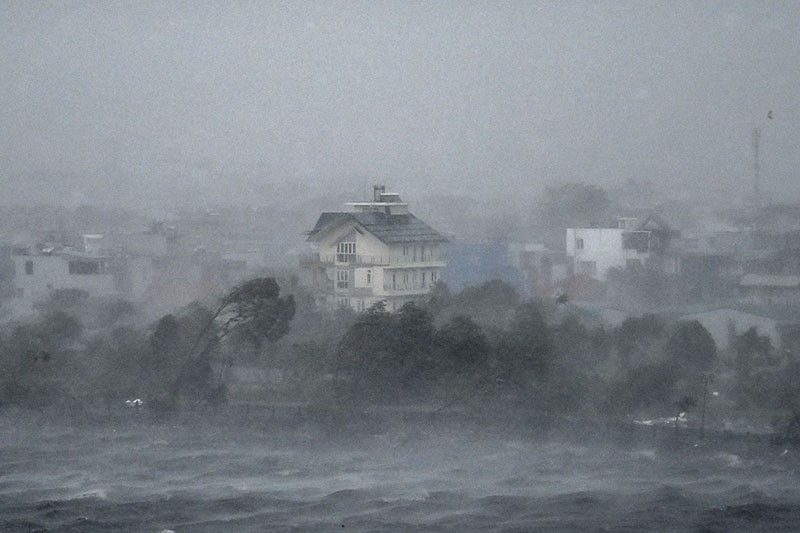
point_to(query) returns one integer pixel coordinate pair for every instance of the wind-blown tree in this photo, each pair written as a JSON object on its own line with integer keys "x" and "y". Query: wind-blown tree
{"x": 533, "y": 338}
{"x": 691, "y": 345}
{"x": 365, "y": 354}
{"x": 115, "y": 361}
{"x": 752, "y": 351}
{"x": 639, "y": 338}
{"x": 462, "y": 345}
{"x": 254, "y": 307}
{"x": 415, "y": 337}
{"x": 759, "y": 372}
{"x": 38, "y": 361}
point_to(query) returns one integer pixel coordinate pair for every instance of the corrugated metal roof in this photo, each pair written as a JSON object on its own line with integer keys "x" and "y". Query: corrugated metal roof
{"x": 391, "y": 229}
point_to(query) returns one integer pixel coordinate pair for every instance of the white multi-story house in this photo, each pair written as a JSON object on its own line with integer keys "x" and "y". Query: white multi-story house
{"x": 377, "y": 251}
{"x": 595, "y": 251}
{"x": 39, "y": 272}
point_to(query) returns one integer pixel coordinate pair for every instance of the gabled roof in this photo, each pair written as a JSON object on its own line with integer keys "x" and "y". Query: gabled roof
{"x": 390, "y": 229}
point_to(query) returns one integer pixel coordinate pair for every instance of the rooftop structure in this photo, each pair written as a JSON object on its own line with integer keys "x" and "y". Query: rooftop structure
{"x": 376, "y": 251}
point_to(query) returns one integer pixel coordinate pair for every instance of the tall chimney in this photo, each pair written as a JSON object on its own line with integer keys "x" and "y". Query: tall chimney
{"x": 377, "y": 190}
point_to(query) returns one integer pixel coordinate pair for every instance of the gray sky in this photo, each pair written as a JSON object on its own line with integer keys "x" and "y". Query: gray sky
{"x": 186, "y": 102}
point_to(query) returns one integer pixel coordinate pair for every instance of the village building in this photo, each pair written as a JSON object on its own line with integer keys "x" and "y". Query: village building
{"x": 38, "y": 272}
{"x": 595, "y": 251}
{"x": 765, "y": 289}
{"x": 376, "y": 251}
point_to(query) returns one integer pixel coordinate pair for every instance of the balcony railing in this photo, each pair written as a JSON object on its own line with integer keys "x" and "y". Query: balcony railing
{"x": 370, "y": 260}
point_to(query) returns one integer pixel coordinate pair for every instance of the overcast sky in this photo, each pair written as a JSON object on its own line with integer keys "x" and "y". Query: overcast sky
{"x": 186, "y": 102}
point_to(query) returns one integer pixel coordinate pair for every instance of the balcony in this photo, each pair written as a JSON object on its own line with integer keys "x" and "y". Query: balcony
{"x": 409, "y": 289}
{"x": 437, "y": 260}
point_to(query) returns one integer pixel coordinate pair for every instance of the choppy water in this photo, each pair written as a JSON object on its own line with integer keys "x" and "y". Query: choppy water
{"x": 148, "y": 477}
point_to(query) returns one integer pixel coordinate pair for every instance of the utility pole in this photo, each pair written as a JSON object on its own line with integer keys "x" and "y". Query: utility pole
{"x": 706, "y": 378}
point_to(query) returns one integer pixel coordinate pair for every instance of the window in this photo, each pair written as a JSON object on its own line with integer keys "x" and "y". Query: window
{"x": 424, "y": 279}
{"x": 422, "y": 253}
{"x": 433, "y": 276}
{"x": 84, "y": 267}
{"x": 405, "y": 250}
{"x": 369, "y": 277}
{"x": 579, "y": 244}
{"x": 394, "y": 280}
{"x": 29, "y": 268}
{"x": 361, "y": 306}
{"x": 345, "y": 252}
{"x": 342, "y": 279}
{"x": 343, "y": 302}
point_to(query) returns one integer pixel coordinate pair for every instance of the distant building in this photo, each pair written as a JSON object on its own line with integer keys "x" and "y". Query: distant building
{"x": 474, "y": 263}
{"x": 377, "y": 251}
{"x": 595, "y": 251}
{"x": 38, "y": 272}
{"x": 724, "y": 324}
{"x": 762, "y": 289}
{"x": 542, "y": 269}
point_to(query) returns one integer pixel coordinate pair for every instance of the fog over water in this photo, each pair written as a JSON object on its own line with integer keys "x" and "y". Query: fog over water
{"x": 140, "y": 477}
{"x": 217, "y": 102}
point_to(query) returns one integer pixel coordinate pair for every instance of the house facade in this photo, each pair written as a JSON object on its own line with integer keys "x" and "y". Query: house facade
{"x": 37, "y": 273}
{"x": 595, "y": 251}
{"x": 375, "y": 251}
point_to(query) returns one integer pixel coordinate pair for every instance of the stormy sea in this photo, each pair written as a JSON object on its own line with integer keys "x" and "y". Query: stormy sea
{"x": 213, "y": 474}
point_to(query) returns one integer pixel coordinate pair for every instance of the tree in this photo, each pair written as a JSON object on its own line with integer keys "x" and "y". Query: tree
{"x": 415, "y": 337}
{"x": 70, "y": 301}
{"x": 637, "y": 336}
{"x": 575, "y": 205}
{"x": 759, "y": 375}
{"x": 365, "y": 352}
{"x": 532, "y": 339}
{"x": 255, "y": 305}
{"x": 462, "y": 344}
{"x": 692, "y": 345}
{"x": 752, "y": 351}
{"x": 112, "y": 311}
{"x": 439, "y": 297}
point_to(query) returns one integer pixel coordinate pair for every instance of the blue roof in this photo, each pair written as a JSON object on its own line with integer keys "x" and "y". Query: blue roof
{"x": 391, "y": 229}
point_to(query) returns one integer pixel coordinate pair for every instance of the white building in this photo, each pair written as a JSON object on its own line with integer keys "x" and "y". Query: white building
{"x": 595, "y": 251}
{"x": 724, "y": 324}
{"x": 37, "y": 274}
{"x": 377, "y": 251}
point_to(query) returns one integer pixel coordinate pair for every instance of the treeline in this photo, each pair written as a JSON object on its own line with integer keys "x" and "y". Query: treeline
{"x": 485, "y": 347}
{"x": 97, "y": 351}
{"x": 482, "y": 349}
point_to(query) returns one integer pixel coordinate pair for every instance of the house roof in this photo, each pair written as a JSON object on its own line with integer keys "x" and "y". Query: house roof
{"x": 390, "y": 229}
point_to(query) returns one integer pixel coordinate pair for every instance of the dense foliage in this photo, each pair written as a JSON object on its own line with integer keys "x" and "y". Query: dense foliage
{"x": 483, "y": 349}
